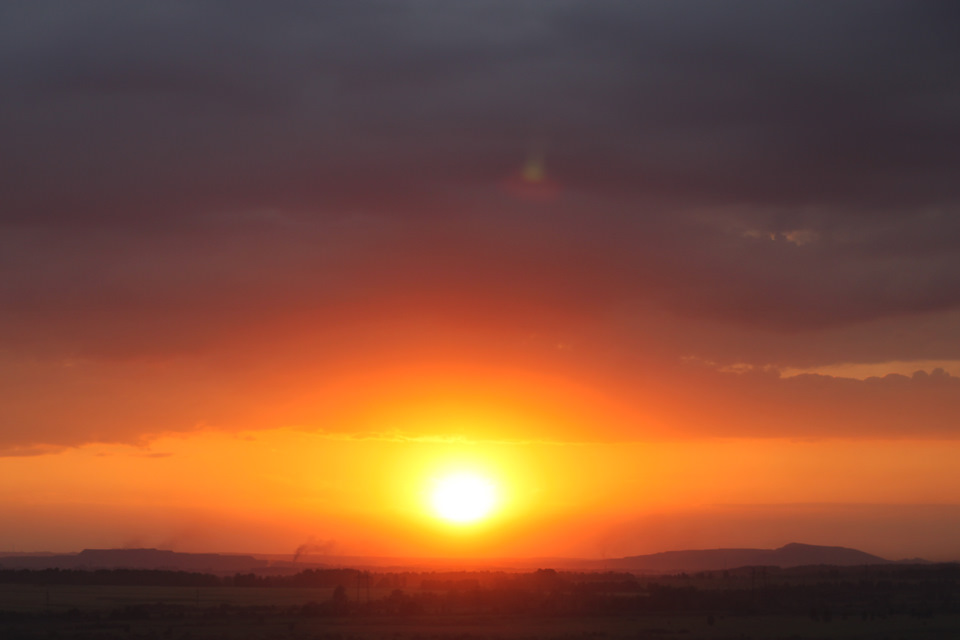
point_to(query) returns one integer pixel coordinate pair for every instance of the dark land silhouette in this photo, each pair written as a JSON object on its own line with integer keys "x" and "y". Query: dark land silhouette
{"x": 866, "y": 601}
{"x": 797, "y": 591}
{"x": 137, "y": 559}
{"x": 790, "y": 555}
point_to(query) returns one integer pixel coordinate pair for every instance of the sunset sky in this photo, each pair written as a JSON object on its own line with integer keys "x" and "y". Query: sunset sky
{"x": 663, "y": 275}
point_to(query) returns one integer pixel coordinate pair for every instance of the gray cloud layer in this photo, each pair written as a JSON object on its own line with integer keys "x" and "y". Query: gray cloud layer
{"x": 780, "y": 179}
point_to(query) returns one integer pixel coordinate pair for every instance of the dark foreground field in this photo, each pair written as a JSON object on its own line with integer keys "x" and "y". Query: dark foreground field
{"x": 204, "y": 624}
{"x": 907, "y": 603}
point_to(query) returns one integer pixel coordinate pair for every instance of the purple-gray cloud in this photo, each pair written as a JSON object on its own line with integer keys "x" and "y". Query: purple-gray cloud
{"x": 181, "y": 180}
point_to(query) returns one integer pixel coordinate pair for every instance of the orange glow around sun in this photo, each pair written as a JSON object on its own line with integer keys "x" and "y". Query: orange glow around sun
{"x": 272, "y": 490}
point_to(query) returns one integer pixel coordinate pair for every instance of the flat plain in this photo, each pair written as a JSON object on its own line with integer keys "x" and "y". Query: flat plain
{"x": 113, "y": 612}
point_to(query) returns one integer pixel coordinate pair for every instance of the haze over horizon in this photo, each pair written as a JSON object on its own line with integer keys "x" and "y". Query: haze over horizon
{"x": 618, "y": 277}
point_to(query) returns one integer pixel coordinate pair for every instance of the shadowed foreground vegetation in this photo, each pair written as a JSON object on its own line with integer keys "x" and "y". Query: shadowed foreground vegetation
{"x": 344, "y": 604}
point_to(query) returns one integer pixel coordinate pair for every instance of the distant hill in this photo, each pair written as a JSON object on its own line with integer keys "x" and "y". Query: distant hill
{"x": 137, "y": 559}
{"x": 790, "y": 555}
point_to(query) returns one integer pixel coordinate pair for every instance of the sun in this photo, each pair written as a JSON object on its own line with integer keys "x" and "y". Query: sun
{"x": 463, "y": 498}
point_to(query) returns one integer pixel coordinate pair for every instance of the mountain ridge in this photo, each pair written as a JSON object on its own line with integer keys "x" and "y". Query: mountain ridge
{"x": 793, "y": 554}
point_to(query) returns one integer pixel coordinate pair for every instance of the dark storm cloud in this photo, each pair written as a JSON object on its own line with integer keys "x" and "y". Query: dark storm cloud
{"x": 178, "y": 175}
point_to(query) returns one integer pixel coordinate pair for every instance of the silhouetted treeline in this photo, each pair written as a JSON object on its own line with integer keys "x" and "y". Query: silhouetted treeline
{"x": 109, "y": 577}
{"x": 446, "y": 581}
{"x": 162, "y": 578}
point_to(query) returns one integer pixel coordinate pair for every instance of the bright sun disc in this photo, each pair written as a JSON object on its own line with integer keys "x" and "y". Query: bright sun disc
{"x": 463, "y": 498}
